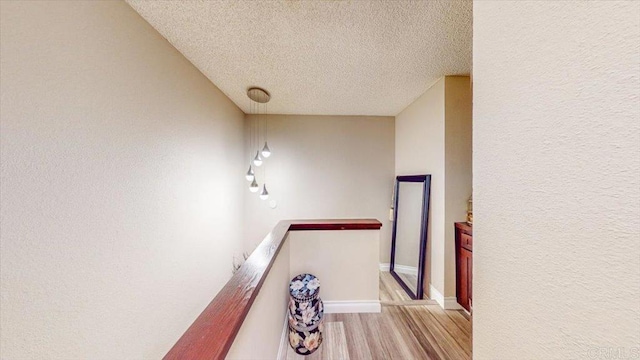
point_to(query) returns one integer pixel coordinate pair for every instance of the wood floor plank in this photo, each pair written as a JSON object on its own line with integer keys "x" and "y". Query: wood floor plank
{"x": 388, "y": 287}
{"x": 398, "y": 345}
{"x": 449, "y": 347}
{"x": 404, "y": 335}
{"x": 426, "y": 339}
{"x": 376, "y": 336}
{"x": 407, "y": 303}
{"x": 404, "y": 330}
{"x": 335, "y": 342}
{"x": 462, "y": 320}
{"x": 444, "y": 317}
{"x": 357, "y": 342}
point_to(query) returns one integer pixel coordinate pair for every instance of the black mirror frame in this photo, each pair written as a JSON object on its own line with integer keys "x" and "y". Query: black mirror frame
{"x": 426, "y": 192}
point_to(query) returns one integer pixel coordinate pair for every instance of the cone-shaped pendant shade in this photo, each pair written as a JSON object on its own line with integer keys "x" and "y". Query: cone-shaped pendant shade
{"x": 250, "y": 174}
{"x": 266, "y": 152}
{"x": 254, "y": 186}
{"x": 264, "y": 195}
{"x": 257, "y": 161}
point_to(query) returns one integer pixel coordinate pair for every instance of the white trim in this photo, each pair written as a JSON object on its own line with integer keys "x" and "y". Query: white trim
{"x": 436, "y": 295}
{"x": 282, "y": 349}
{"x": 451, "y": 303}
{"x": 358, "y": 306}
{"x": 402, "y": 269}
{"x": 447, "y": 303}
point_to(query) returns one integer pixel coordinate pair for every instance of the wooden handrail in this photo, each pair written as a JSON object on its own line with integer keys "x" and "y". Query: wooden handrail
{"x": 212, "y": 333}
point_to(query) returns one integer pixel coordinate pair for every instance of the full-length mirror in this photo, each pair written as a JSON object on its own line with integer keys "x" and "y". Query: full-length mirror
{"x": 409, "y": 237}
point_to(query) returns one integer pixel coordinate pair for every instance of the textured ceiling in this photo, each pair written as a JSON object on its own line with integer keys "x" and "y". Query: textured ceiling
{"x": 321, "y": 57}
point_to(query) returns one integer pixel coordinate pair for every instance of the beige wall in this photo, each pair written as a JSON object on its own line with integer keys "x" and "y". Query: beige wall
{"x": 121, "y": 184}
{"x": 324, "y": 167}
{"x": 433, "y": 136}
{"x": 457, "y": 167}
{"x": 345, "y": 262}
{"x": 261, "y": 331}
{"x": 420, "y": 150}
{"x": 556, "y": 180}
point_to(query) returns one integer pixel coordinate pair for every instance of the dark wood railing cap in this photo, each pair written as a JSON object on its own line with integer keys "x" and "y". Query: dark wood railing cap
{"x": 212, "y": 333}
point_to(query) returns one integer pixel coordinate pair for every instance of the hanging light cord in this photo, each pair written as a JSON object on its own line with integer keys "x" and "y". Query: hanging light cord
{"x": 250, "y": 130}
{"x": 266, "y": 105}
{"x": 264, "y": 170}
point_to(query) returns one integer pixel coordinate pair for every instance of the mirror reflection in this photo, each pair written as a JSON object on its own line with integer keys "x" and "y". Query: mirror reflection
{"x": 409, "y": 233}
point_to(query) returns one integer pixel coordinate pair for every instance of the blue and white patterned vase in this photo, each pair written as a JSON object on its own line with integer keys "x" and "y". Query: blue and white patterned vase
{"x": 305, "y": 314}
{"x": 305, "y": 306}
{"x": 304, "y": 287}
{"x": 305, "y": 342}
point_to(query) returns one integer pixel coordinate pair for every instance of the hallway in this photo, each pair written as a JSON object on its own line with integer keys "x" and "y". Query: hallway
{"x": 167, "y": 167}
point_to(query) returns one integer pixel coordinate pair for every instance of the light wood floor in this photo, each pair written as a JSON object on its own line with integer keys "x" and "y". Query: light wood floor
{"x": 404, "y": 330}
{"x": 391, "y": 284}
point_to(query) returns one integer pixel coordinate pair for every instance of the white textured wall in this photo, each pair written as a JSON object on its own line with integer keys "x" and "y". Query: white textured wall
{"x": 420, "y": 150}
{"x": 121, "y": 184}
{"x": 324, "y": 167}
{"x": 556, "y": 179}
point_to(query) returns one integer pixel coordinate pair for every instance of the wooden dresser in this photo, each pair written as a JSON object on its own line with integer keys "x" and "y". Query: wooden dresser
{"x": 464, "y": 264}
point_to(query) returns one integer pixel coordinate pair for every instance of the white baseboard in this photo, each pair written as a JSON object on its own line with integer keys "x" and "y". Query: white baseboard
{"x": 402, "y": 269}
{"x": 447, "y": 303}
{"x": 436, "y": 295}
{"x": 282, "y": 349}
{"x": 361, "y": 306}
{"x": 451, "y": 303}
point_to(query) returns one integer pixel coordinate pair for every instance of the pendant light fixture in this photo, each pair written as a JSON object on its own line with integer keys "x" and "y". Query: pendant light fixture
{"x": 254, "y": 186}
{"x": 257, "y": 161}
{"x": 250, "y": 174}
{"x": 264, "y": 195}
{"x": 258, "y": 97}
{"x": 266, "y": 152}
